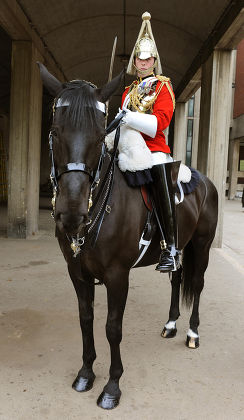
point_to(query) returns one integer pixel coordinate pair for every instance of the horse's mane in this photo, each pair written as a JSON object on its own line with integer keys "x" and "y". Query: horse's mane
{"x": 81, "y": 112}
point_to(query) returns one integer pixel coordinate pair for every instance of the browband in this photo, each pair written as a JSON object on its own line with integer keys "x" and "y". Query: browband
{"x": 99, "y": 105}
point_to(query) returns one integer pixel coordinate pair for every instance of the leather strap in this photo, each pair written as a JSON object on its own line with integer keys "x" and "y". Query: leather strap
{"x": 79, "y": 167}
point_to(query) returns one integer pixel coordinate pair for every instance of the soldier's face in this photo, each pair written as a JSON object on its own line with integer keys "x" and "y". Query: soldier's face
{"x": 144, "y": 65}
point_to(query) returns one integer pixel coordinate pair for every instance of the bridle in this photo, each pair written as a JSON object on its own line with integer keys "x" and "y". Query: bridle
{"x": 94, "y": 176}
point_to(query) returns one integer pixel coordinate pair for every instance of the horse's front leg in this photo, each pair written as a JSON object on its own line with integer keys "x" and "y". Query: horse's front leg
{"x": 84, "y": 288}
{"x": 170, "y": 329}
{"x": 117, "y": 290}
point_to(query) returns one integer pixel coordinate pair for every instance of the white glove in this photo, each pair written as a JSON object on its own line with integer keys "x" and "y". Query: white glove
{"x": 145, "y": 123}
{"x": 118, "y": 113}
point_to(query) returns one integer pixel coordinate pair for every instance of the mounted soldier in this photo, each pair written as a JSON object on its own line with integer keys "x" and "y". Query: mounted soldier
{"x": 106, "y": 246}
{"x": 149, "y": 104}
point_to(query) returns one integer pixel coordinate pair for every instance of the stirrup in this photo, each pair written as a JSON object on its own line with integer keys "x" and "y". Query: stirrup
{"x": 168, "y": 262}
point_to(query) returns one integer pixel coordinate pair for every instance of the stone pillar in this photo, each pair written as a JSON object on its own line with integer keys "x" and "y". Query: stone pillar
{"x": 24, "y": 141}
{"x": 216, "y": 95}
{"x": 34, "y": 148}
{"x": 180, "y": 131}
{"x": 234, "y": 152}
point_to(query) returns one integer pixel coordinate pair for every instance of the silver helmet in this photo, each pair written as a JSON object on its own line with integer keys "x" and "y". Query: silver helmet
{"x": 145, "y": 48}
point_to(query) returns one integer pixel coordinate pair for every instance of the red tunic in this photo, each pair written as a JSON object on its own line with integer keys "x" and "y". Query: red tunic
{"x": 163, "y": 110}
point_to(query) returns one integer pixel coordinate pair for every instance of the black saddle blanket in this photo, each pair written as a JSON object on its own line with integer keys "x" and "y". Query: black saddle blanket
{"x": 139, "y": 178}
{"x": 189, "y": 187}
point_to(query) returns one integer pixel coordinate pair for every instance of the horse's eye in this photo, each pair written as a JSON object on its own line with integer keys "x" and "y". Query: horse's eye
{"x": 54, "y": 132}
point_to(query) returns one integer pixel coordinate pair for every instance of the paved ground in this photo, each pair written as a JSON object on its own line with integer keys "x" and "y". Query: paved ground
{"x": 40, "y": 350}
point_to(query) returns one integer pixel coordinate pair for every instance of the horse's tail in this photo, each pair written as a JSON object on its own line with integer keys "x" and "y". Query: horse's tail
{"x": 187, "y": 274}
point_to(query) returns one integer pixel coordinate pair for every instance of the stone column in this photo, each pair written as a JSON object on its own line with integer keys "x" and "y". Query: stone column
{"x": 216, "y": 95}
{"x": 234, "y": 152}
{"x": 34, "y": 148}
{"x": 180, "y": 131}
{"x": 24, "y": 141}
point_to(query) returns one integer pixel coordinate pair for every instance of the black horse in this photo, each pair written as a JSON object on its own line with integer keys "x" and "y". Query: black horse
{"x": 76, "y": 139}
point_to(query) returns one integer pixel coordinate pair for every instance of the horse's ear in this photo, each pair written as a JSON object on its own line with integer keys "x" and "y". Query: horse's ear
{"x": 53, "y": 85}
{"x": 110, "y": 88}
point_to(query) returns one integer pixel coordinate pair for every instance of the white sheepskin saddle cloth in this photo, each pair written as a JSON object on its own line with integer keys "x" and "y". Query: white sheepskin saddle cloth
{"x": 134, "y": 154}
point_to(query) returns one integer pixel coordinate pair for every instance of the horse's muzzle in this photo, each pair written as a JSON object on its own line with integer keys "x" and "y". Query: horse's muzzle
{"x": 70, "y": 223}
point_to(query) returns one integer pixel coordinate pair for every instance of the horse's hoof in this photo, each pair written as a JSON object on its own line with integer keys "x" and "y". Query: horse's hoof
{"x": 108, "y": 401}
{"x": 169, "y": 332}
{"x": 192, "y": 342}
{"x": 82, "y": 384}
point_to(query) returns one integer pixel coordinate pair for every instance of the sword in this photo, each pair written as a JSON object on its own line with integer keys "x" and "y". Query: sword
{"x": 110, "y": 74}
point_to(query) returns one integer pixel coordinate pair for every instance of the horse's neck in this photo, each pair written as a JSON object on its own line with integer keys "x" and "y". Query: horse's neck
{"x": 119, "y": 181}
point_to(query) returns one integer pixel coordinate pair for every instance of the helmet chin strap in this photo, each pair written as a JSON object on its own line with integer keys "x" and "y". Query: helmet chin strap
{"x": 149, "y": 70}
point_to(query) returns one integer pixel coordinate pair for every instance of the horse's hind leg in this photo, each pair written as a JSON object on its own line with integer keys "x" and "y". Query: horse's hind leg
{"x": 170, "y": 329}
{"x": 200, "y": 255}
{"x": 192, "y": 340}
{"x": 117, "y": 289}
{"x": 85, "y": 294}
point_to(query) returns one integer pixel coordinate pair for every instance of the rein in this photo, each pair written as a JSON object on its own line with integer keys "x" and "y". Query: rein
{"x": 107, "y": 182}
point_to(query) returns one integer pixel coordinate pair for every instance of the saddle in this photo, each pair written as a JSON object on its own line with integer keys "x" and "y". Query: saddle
{"x": 182, "y": 187}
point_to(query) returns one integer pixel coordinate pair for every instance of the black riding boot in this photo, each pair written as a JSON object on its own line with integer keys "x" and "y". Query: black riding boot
{"x": 163, "y": 189}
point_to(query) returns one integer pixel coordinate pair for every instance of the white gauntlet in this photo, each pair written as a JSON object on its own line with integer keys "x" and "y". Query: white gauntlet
{"x": 145, "y": 123}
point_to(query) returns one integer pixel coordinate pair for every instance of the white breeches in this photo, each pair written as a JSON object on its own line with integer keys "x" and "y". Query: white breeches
{"x": 160, "y": 157}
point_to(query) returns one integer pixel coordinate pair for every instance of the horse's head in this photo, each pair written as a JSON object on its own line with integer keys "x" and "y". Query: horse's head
{"x": 76, "y": 135}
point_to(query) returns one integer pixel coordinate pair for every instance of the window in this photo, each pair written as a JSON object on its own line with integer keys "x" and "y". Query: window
{"x": 191, "y": 107}
{"x": 189, "y": 130}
